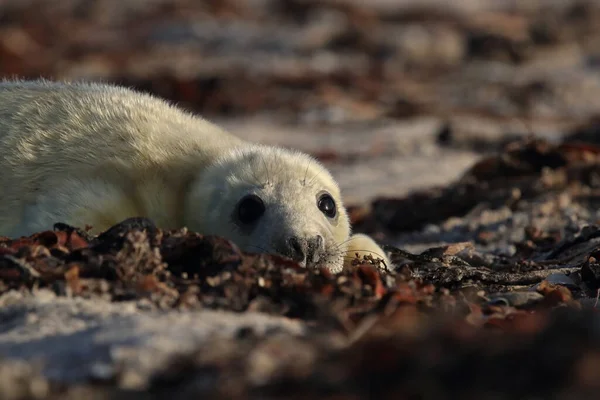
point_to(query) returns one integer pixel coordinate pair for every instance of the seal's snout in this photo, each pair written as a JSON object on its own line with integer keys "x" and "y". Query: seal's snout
{"x": 306, "y": 251}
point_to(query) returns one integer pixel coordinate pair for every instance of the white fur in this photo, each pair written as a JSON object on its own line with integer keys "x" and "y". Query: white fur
{"x": 95, "y": 154}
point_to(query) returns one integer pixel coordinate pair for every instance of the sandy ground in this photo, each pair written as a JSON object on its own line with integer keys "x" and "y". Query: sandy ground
{"x": 77, "y": 340}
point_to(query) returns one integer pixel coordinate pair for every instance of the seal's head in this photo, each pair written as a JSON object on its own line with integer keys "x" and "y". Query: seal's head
{"x": 273, "y": 200}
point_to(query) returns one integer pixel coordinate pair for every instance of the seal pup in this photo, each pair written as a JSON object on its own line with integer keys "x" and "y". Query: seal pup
{"x": 95, "y": 154}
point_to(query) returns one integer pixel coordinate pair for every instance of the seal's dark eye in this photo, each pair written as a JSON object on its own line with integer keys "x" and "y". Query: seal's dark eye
{"x": 250, "y": 209}
{"x": 327, "y": 205}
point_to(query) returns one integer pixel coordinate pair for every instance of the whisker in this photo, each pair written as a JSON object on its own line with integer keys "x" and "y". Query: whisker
{"x": 314, "y": 178}
{"x": 259, "y": 248}
{"x": 257, "y": 181}
{"x": 306, "y": 172}
{"x": 346, "y": 241}
{"x": 338, "y": 245}
{"x": 265, "y": 167}
{"x": 352, "y": 237}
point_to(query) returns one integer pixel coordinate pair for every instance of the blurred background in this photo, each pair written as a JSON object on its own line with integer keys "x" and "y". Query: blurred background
{"x": 393, "y": 95}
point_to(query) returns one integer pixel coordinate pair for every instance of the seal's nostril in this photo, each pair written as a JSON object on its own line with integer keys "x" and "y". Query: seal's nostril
{"x": 315, "y": 249}
{"x": 297, "y": 249}
{"x": 304, "y": 250}
{"x": 315, "y": 243}
{"x": 318, "y": 242}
